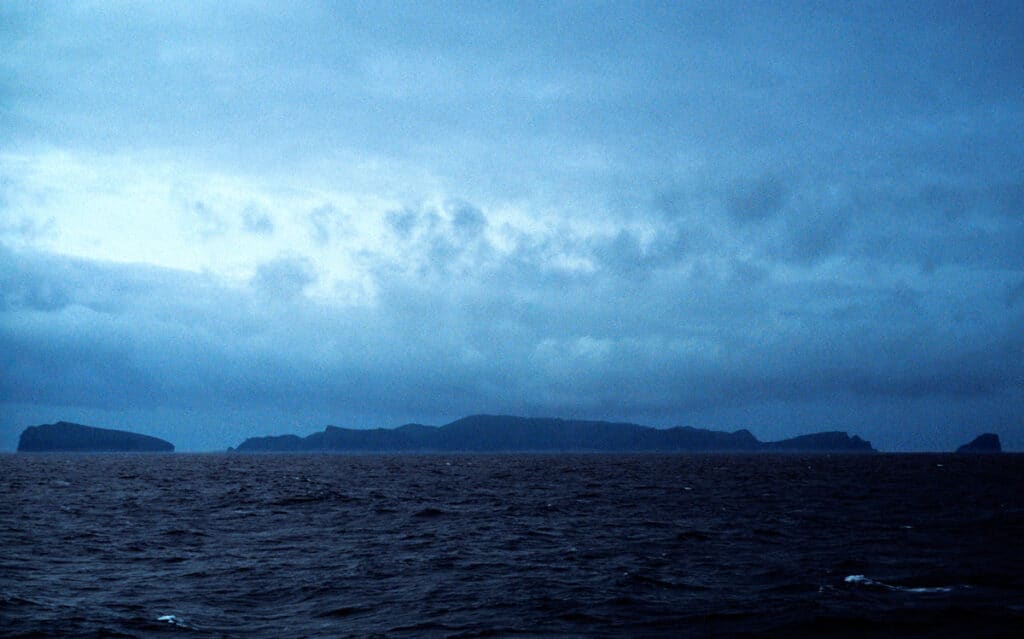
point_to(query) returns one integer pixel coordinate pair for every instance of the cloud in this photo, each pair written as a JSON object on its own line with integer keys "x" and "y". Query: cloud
{"x": 502, "y": 339}
{"x": 403, "y": 222}
{"x": 812, "y": 235}
{"x": 467, "y": 220}
{"x": 397, "y": 217}
{"x": 757, "y": 200}
{"x": 284, "y": 278}
{"x": 1014, "y": 294}
{"x": 443, "y": 240}
{"x": 623, "y": 254}
{"x": 257, "y": 222}
{"x": 325, "y": 222}
{"x": 205, "y": 221}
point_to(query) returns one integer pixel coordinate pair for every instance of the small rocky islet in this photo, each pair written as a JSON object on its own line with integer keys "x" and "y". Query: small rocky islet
{"x": 67, "y": 437}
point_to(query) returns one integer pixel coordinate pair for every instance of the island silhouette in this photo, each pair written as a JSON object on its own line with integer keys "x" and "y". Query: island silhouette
{"x": 479, "y": 434}
{"x": 77, "y": 438}
{"x": 984, "y": 443}
{"x": 506, "y": 433}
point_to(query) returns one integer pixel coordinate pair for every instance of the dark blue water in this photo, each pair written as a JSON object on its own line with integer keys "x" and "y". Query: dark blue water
{"x": 518, "y": 546}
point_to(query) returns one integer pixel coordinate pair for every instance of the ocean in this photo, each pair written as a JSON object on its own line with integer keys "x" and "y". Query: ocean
{"x": 218, "y": 545}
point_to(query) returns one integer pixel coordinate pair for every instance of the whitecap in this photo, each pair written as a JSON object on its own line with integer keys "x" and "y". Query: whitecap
{"x": 867, "y": 581}
{"x": 931, "y": 589}
{"x": 175, "y": 620}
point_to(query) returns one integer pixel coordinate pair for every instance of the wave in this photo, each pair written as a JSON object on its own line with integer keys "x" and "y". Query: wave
{"x": 175, "y": 620}
{"x": 861, "y": 580}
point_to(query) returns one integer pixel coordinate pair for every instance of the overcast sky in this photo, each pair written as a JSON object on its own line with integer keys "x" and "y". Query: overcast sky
{"x": 220, "y": 220}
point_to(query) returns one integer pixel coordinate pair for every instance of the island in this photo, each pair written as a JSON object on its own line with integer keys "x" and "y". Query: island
{"x": 985, "y": 443}
{"x": 68, "y": 437}
{"x": 505, "y": 433}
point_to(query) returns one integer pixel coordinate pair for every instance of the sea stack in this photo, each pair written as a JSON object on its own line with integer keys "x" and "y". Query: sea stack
{"x": 76, "y": 438}
{"x": 987, "y": 443}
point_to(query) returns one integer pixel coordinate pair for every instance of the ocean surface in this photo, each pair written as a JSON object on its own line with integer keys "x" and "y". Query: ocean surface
{"x": 511, "y": 546}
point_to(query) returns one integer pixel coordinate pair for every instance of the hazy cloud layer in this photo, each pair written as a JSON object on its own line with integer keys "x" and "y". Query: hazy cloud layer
{"x": 787, "y": 219}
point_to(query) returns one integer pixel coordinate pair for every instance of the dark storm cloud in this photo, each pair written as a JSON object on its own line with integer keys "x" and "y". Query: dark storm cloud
{"x": 930, "y": 226}
{"x": 40, "y": 282}
{"x": 510, "y": 338}
{"x": 812, "y": 234}
{"x": 784, "y": 214}
{"x": 906, "y": 218}
{"x": 757, "y": 199}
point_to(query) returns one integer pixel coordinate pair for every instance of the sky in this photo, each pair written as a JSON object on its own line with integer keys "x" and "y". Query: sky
{"x": 228, "y": 219}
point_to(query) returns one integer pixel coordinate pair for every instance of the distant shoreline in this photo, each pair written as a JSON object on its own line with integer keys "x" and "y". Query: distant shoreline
{"x": 481, "y": 435}
{"x": 515, "y": 435}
